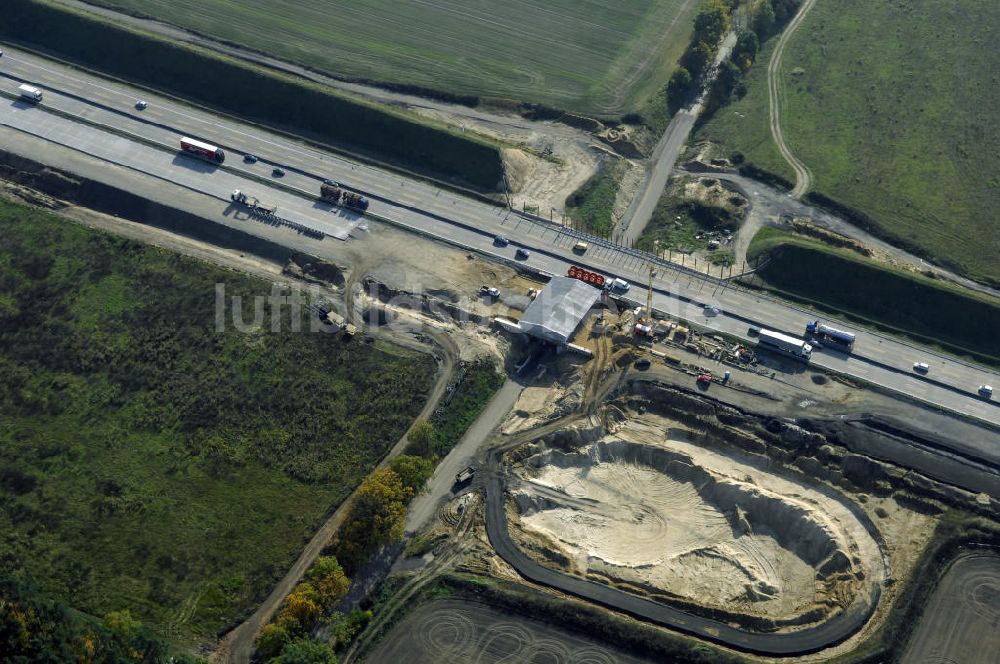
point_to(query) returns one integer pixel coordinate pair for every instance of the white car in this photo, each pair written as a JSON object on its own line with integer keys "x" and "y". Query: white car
{"x": 921, "y": 367}
{"x": 986, "y": 391}
{"x": 141, "y": 105}
{"x": 711, "y": 311}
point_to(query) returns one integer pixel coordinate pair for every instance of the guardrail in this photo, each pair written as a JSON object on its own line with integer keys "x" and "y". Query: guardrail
{"x": 534, "y": 219}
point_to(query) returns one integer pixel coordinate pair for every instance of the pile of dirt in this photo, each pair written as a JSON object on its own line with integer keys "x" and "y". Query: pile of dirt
{"x": 656, "y": 513}
{"x": 711, "y": 192}
{"x": 805, "y": 226}
{"x": 315, "y": 271}
{"x": 620, "y": 138}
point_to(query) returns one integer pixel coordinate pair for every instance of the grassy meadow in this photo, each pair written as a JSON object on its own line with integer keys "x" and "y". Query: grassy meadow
{"x": 894, "y": 107}
{"x": 152, "y": 463}
{"x": 598, "y": 57}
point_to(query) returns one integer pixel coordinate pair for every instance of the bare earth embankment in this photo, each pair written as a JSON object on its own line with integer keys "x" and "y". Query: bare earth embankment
{"x": 649, "y": 509}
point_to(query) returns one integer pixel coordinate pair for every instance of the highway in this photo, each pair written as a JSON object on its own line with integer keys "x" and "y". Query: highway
{"x": 148, "y": 141}
{"x": 812, "y": 639}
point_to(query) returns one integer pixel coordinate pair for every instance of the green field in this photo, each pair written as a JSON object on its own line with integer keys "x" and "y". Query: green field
{"x": 894, "y": 107}
{"x": 153, "y": 463}
{"x": 233, "y": 86}
{"x": 902, "y": 302}
{"x": 598, "y": 57}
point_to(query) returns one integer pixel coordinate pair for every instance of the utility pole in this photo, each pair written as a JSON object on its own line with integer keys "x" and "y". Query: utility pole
{"x": 649, "y": 292}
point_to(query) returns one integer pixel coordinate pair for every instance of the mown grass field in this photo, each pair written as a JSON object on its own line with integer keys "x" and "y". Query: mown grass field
{"x": 902, "y": 302}
{"x": 599, "y": 57}
{"x": 894, "y": 107}
{"x": 150, "y": 462}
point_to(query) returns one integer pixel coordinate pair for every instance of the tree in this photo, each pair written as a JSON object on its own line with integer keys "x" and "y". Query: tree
{"x": 414, "y": 471}
{"x": 696, "y": 58}
{"x": 305, "y": 651}
{"x": 329, "y": 580}
{"x": 345, "y": 629}
{"x": 421, "y": 438}
{"x": 764, "y": 20}
{"x": 728, "y": 83}
{"x": 784, "y": 10}
{"x": 272, "y": 639}
{"x": 678, "y": 88}
{"x": 38, "y": 628}
{"x": 711, "y": 22}
{"x": 301, "y": 608}
{"x": 376, "y": 517}
{"x": 746, "y": 49}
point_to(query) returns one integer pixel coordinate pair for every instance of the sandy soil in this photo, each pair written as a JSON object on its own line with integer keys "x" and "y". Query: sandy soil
{"x": 648, "y": 506}
{"x": 573, "y": 155}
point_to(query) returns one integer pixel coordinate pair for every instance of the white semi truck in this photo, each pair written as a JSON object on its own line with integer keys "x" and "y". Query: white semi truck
{"x": 786, "y": 344}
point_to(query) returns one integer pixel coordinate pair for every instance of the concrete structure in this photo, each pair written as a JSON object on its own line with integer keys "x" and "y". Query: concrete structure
{"x": 559, "y": 309}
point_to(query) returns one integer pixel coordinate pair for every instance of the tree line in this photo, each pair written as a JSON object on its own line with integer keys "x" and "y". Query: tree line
{"x": 376, "y": 518}
{"x": 714, "y": 18}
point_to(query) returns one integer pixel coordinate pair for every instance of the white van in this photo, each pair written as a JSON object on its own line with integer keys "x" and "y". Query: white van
{"x": 619, "y": 285}
{"x": 30, "y": 93}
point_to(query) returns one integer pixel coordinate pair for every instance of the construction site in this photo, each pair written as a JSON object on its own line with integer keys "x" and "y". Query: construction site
{"x": 652, "y": 467}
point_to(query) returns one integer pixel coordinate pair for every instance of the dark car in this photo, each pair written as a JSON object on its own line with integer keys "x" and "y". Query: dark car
{"x": 501, "y": 241}
{"x": 278, "y": 172}
{"x": 522, "y": 254}
{"x": 250, "y": 158}
{"x": 642, "y": 364}
{"x": 331, "y": 183}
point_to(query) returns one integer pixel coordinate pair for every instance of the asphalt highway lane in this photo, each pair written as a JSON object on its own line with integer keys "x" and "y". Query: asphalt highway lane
{"x": 879, "y": 359}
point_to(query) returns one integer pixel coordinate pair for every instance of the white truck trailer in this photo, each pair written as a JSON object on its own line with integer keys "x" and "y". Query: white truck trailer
{"x": 786, "y": 344}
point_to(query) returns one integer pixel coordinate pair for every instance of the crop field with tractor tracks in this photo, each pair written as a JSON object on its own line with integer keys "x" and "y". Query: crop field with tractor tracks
{"x": 598, "y": 58}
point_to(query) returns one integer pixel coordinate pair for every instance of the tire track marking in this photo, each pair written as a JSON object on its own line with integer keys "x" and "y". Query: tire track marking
{"x": 803, "y": 176}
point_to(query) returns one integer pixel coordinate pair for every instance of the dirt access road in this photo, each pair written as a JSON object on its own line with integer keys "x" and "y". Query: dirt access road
{"x": 637, "y": 217}
{"x": 768, "y": 205}
{"x": 803, "y": 176}
{"x": 424, "y": 507}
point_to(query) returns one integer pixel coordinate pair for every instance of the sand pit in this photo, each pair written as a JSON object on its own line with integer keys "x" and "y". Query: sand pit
{"x": 648, "y": 509}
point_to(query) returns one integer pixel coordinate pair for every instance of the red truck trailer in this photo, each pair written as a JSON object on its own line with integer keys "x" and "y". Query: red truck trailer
{"x": 203, "y": 150}
{"x": 587, "y": 276}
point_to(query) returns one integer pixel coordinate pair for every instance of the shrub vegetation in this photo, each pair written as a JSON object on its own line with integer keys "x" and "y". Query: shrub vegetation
{"x": 152, "y": 463}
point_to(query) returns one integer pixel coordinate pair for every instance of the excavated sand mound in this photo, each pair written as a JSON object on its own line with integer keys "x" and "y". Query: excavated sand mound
{"x": 664, "y": 522}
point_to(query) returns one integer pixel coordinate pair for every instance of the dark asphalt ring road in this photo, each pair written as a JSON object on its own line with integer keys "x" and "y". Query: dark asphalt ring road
{"x": 809, "y": 640}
